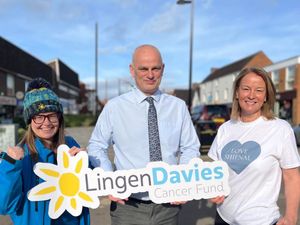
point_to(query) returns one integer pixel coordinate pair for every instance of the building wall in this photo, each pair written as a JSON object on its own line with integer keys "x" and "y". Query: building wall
{"x": 284, "y": 94}
{"x": 16, "y": 61}
{"x": 23, "y": 67}
{"x": 219, "y": 90}
{"x": 296, "y": 101}
{"x": 261, "y": 60}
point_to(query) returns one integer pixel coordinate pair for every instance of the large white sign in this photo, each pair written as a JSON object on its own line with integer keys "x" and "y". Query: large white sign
{"x": 8, "y": 136}
{"x": 70, "y": 185}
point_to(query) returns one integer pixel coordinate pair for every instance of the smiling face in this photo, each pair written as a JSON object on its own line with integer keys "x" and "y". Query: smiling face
{"x": 251, "y": 95}
{"x": 147, "y": 69}
{"x": 45, "y": 125}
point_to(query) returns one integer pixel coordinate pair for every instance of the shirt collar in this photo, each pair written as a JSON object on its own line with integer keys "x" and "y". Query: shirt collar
{"x": 140, "y": 96}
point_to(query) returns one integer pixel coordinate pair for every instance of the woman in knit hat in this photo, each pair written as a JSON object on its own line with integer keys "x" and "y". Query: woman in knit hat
{"x": 43, "y": 113}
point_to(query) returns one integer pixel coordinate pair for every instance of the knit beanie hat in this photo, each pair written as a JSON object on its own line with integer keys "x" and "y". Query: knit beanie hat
{"x": 40, "y": 98}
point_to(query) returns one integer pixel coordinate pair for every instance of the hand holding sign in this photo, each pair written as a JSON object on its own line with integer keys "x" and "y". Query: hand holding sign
{"x": 70, "y": 185}
{"x": 15, "y": 152}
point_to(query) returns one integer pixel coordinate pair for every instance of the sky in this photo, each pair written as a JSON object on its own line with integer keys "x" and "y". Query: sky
{"x": 224, "y": 31}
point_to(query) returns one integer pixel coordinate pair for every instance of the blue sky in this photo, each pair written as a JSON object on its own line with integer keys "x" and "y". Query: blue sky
{"x": 224, "y": 31}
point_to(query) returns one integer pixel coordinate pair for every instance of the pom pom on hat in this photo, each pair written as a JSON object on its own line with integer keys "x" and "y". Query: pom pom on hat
{"x": 40, "y": 98}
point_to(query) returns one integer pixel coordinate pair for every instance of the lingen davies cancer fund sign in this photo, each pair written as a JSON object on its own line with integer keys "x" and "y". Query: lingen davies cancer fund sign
{"x": 71, "y": 185}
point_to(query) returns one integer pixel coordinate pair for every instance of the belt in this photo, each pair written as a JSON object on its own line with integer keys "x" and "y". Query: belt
{"x": 139, "y": 201}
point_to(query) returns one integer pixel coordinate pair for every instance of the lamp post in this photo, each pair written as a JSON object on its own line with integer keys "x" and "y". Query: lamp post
{"x": 182, "y": 2}
{"x": 96, "y": 69}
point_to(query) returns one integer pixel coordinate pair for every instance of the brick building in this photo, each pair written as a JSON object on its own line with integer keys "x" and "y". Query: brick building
{"x": 286, "y": 78}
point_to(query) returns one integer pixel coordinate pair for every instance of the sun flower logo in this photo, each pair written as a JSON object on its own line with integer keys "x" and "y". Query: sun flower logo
{"x": 64, "y": 184}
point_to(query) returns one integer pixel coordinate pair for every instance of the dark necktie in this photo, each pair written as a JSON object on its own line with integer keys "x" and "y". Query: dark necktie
{"x": 154, "y": 142}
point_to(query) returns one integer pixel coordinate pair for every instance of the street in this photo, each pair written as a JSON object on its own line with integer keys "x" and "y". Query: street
{"x": 193, "y": 213}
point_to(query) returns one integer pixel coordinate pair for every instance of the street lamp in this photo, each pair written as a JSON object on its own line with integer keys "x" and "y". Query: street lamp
{"x": 96, "y": 70}
{"x": 182, "y": 2}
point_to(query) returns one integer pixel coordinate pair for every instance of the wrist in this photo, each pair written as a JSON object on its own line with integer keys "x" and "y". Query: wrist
{"x": 5, "y": 156}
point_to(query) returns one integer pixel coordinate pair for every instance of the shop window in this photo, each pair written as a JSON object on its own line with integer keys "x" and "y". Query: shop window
{"x": 285, "y": 111}
{"x": 290, "y": 77}
{"x": 10, "y": 85}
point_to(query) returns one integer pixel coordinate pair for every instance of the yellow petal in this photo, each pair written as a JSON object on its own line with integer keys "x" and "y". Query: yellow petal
{"x": 66, "y": 160}
{"x": 50, "y": 173}
{"x": 73, "y": 203}
{"x": 85, "y": 197}
{"x": 78, "y": 166}
{"x": 45, "y": 191}
{"x": 59, "y": 202}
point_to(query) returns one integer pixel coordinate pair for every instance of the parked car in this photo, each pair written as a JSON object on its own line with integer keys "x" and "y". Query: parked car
{"x": 297, "y": 134}
{"x": 218, "y": 113}
{"x": 207, "y": 119}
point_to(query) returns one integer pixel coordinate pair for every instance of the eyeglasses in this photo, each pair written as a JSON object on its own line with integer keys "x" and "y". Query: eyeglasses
{"x": 53, "y": 118}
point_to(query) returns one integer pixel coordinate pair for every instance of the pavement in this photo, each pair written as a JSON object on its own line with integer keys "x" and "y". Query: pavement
{"x": 199, "y": 212}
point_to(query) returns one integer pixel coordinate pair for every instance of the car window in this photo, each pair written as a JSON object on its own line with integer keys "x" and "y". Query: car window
{"x": 217, "y": 111}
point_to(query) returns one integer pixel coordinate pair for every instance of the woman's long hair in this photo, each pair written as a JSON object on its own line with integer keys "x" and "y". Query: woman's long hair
{"x": 29, "y": 139}
{"x": 268, "y": 106}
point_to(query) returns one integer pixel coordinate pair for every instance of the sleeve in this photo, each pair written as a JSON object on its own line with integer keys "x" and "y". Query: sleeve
{"x": 189, "y": 141}
{"x": 213, "y": 151}
{"x": 11, "y": 193}
{"x": 70, "y": 141}
{"x": 289, "y": 152}
{"x": 100, "y": 141}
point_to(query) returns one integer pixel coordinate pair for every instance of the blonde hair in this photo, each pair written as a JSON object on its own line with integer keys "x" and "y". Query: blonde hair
{"x": 29, "y": 139}
{"x": 268, "y": 106}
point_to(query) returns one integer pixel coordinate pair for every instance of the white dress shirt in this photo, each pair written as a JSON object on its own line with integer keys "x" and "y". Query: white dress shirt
{"x": 123, "y": 124}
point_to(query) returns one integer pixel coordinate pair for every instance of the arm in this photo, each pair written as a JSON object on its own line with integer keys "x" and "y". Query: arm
{"x": 11, "y": 181}
{"x": 291, "y": 179}
{"x": 100, "y": 141}
{"x": 189, "y": 142}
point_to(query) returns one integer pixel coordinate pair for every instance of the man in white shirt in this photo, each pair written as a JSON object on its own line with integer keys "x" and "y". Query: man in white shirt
{"x": 124, "y": 123}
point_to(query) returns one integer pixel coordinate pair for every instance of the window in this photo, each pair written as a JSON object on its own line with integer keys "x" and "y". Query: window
{"x": 275, "y": 79}
{"x": 209, "y": 98}
{"x": 216, "y": 83}
{"x": 10, "y": 84}
{"x": 26, "y": 84}
{"x": 290, "y": 77}
{"x": 226, "y": 94}
{"x": 204, "y": 98}
{"x": 217, "y": 96}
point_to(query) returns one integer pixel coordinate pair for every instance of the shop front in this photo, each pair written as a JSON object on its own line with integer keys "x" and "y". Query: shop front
{"x": 285, "y": 106}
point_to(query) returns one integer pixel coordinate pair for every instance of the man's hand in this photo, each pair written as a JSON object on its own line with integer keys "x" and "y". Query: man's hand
{"x": 117, "y": 200}
{"x": 16, "y": 152}
{"x": 218, "y": 199}
{"x": 178, "y": 203}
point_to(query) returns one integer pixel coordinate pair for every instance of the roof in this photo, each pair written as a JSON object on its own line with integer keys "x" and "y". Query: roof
{"x": 231, "y": 68}
{"x": 16, "y": 60}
